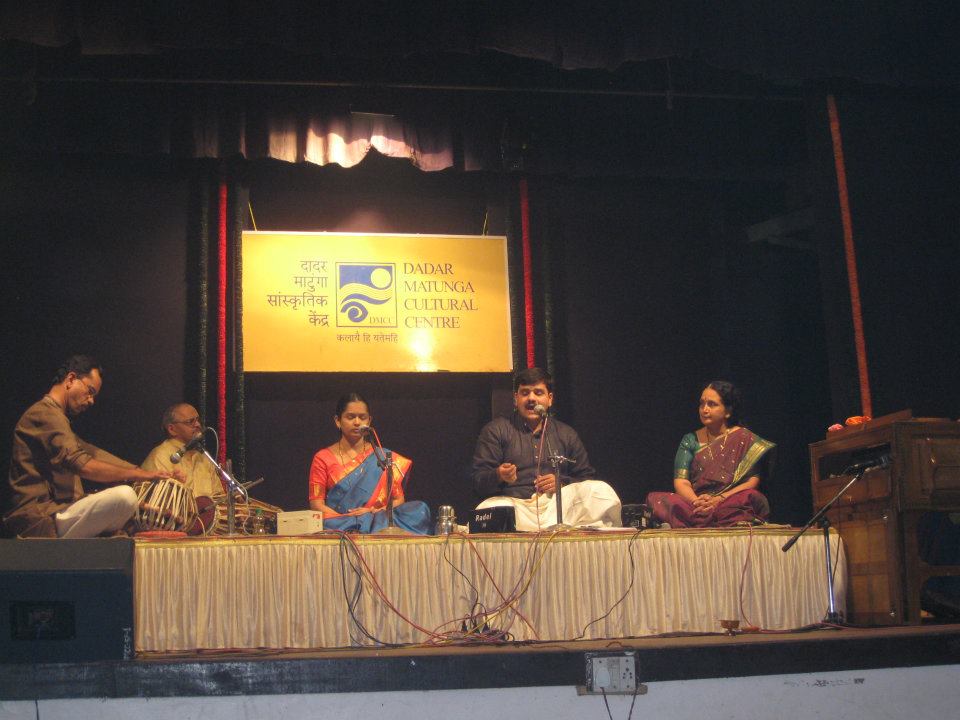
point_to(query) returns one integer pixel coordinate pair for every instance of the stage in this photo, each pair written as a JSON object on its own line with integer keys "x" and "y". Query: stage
{"x": 338, "y": 591}
{"x": 815, "y": 658}
{"x": 246, "y": 626}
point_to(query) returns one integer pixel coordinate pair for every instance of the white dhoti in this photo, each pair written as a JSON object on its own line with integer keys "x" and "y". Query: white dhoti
{"x": 105, "y": 511}
{"x": 588, "y": 503}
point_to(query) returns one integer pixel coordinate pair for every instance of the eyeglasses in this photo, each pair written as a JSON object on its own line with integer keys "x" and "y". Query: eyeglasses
{"x": 91, "y": 390}
{"x": 195, "y": 420}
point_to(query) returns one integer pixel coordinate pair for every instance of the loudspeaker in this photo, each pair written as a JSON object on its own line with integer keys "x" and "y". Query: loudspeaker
{"x": 494, "y": 520}
{"x": 66, "y": 600}
{"x": 638, "y": 516}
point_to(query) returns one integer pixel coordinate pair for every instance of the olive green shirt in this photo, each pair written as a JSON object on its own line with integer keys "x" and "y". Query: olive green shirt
{"x": 45, "y": 466}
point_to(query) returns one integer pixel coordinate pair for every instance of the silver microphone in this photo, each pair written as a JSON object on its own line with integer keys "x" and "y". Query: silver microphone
{"x": 364, "y": 429}
{"x": 540, "y": 410}
{"x": 178, "y": 455}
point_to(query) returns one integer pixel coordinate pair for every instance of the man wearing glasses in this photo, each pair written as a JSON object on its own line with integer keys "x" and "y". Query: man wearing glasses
{"x": 43, "y": 496}
{"x": 180, "y": 424}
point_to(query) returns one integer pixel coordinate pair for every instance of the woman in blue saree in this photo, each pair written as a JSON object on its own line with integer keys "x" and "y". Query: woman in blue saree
{"x": 717, "y": 469}
{"x": 348, "y": 485}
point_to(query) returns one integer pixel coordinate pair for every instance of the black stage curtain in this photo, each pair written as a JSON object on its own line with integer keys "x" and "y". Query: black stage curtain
{"x": 906, "y": 42}
{"x": 565, "y": 135}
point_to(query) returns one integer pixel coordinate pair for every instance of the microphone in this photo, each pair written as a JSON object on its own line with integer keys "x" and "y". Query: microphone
{"x": 364, "y": 429}
{"x": 881, "y": 461}
{"x": 178, "y": 455}
{"x": 540, "y": 410}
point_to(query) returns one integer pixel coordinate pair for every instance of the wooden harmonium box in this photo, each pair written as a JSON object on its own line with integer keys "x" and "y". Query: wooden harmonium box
{"x": 923, "y": 463}
{"x": 919, "y": 472}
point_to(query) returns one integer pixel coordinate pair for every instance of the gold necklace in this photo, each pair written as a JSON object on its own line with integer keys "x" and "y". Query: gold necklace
{"x": 711, "y": 438}
{"x": 357, "y": 454}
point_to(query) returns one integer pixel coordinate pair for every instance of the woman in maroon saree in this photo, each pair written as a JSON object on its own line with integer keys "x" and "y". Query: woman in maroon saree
{"x": 717, "y": 469}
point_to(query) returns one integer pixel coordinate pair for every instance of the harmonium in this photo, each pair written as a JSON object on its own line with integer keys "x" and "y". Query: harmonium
{"x": 918, "y": 472}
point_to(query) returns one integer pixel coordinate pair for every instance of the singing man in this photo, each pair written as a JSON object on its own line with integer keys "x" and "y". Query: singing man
{"x": 519, "y": 460}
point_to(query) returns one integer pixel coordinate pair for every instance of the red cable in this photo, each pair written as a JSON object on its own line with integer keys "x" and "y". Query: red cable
{"x": 506, "y": 601}
{"x": 749, "y": 626}
{"x": 432, "y": 635}
{"x": 222, "y": 325}
{"x": 377, "y": 587}
{"x": 527, "y": 272}
{"x": 866, "y": 401}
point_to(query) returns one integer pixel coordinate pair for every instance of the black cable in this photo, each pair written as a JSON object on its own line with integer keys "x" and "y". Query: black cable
{"x": 480, "y": 612}
{"x": 475, "y": 605}
{"x": 636, "y": 691}
{"x": 606, "y": 704}
{"x": 633, "y": 575}
{"x": 352, "y": 602}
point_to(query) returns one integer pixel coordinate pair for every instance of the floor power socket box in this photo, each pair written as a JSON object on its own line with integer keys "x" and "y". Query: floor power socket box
{"x": 611, "y": 674}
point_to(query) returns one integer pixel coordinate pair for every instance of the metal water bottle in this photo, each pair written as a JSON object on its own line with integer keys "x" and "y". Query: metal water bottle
{"x": 446, "y": 520}
{"x": 258, "y": 523}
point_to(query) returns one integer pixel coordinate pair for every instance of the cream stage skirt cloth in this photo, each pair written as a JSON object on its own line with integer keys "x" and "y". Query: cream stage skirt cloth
{"x": 588, "y": 503}
{"x": 318, "y": 591}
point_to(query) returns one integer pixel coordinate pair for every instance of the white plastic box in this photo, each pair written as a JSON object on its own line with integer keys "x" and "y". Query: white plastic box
{"x": 299, "y": 522}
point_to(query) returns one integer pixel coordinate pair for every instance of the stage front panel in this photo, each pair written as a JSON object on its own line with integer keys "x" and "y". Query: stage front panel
{"x": 329, "y": 592}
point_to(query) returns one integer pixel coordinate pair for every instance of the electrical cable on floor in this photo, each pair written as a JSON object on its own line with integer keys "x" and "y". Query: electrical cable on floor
{"x": 482, "y": 620}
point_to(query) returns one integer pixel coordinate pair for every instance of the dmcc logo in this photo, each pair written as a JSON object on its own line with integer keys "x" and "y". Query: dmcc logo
{"x": 365, "y": 295}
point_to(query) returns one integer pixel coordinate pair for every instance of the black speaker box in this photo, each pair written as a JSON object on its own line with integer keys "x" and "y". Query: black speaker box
{"x": 66, "y": 600}
{"x": 493, "y": 520}
{"x": 638, "y": 516}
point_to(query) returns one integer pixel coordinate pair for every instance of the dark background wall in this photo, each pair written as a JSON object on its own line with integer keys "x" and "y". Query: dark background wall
{"x": 655, "y": 289}
{"x": 903, "y": 165}
{"x": 94, "y": 260}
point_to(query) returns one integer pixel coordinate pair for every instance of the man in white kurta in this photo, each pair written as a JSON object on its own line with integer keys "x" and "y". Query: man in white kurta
{"x": 512, "y": 464}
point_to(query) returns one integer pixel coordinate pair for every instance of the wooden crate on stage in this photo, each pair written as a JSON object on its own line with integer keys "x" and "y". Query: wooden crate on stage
{"x": 878, "y": 516}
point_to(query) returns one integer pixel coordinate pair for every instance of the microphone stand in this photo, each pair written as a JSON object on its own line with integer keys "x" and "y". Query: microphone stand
{"x": 231, "y": 485}
{"x": 820, "y": 518}
{"x": 557, "y": 462}
{"x": 385, "y": 463}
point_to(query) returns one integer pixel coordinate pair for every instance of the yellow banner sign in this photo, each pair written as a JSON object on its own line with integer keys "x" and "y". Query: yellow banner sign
{"x": 353, "y": 302}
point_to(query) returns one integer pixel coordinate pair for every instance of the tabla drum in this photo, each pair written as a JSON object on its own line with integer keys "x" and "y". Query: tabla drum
{"x": 244, "y": 512}
{"x": 206, "y": 514}
{"x": 164, "y": 504}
